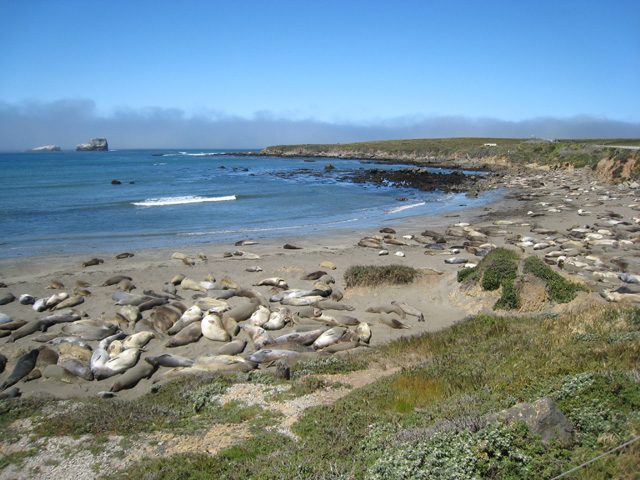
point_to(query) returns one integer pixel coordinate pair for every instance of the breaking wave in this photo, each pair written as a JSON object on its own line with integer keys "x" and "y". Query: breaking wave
{"x": 161, "y": 202}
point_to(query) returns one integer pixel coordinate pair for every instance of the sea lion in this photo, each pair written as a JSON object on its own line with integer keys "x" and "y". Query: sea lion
{"x": 188, "y": 334}
{"x": 213, "y": 329}
{"x": 132, "y": 377}
{"x": 23, "y": 366}
{"x": 92, "y": 262}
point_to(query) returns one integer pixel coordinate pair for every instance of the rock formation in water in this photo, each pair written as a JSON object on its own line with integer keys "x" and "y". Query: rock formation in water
{"x": 46, "y": 148}
{"x": 94, "y": 145}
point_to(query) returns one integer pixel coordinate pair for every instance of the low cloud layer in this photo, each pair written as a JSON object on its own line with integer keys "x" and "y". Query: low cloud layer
{"x": 70, "y": 122}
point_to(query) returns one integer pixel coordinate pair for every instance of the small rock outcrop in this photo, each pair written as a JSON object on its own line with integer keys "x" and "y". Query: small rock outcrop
{"x": 542, "y": 417}
{"x": 94, "y": 145}
{"x": 46, "y": 148}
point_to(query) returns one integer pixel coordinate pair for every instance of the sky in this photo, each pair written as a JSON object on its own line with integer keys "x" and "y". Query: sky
{"x": 251, "y": 73}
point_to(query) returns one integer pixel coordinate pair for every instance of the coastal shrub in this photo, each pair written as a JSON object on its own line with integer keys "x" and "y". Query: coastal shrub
{"x": 497, "y": 269}
{"x": 454, "y": 454}
{"x": 558, "y": 288}
{"x": 373, "y": 276}
{"x": 327, "y": 366}
{"x": 467, "y": 274}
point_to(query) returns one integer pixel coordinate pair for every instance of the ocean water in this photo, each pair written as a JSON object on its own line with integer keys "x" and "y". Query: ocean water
{"x": 65, "y": 202}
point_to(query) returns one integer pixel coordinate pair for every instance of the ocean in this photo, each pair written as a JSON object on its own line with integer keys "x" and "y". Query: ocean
{"x": 66, "y": 202}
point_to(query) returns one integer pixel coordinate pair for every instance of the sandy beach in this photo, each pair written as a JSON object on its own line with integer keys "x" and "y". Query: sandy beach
{"x": 543, "y": 205}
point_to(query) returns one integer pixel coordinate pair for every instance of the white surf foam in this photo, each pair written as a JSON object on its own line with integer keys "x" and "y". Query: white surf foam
{"x": 160, "y": 202}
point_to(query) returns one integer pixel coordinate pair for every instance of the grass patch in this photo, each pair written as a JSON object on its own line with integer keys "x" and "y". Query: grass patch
{"x": 558, "y": 288}
{"x": 373, "y": 276}
{"x": 499, "y": 268}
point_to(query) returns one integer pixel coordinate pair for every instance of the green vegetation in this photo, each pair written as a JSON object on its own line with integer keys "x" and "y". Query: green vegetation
{"x": 426, "y": 421}
{"x": 497, "y": 269}
{"x": 500, "y": 268}
{"x": 373, "y": 276}
{"x": 578, "y": 153}
{"x": 558, "y": 288}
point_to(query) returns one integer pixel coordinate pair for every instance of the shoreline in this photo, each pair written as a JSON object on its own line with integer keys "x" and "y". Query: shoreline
{"x": 532, "y": 205}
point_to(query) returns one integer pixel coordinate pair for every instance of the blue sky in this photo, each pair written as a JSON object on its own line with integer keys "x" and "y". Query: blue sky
{"x": 177, "y": 73}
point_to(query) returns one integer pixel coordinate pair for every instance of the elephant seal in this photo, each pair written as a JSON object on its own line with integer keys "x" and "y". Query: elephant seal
{"x": 131, "y": 377}
{"x": 11, "y": 393}
{"x": 75, "y": 366}
{"x": 3, "y": 362}
{"x": 234, "y": 347}
{"x": 313, "y": 275}
{"x": 332, "y": 305}
{"x": 93, "y": 261}
{"x": 124, "y": 255}
{"x": 169, "y": 360}
{"x": 213, "y": 328}
{"x": 115, "y": 280}
{"x": 23, "y": 366}
{"x": 329, "y": 337}
{"x": 55, "y": 285}
{"x": 188, "y": 334}
{"x": 138, "y": 340}
{"x": 301, "y": 338}
{"x": 119, "y": 364}
{"x": 386, "y": 309}
{"x": 409, "y": 310}
{"x": 163, "y": 317}
{"x": 392, "y": 322}
{"x": 259, "y": 336}
{"x": 6, "y": 297}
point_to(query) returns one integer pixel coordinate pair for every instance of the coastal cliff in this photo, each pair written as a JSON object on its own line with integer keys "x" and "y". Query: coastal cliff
{"x": 492, "y": 154}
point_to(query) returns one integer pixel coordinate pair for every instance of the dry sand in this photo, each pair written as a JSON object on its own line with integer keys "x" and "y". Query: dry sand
{"x": 550, "y": 200}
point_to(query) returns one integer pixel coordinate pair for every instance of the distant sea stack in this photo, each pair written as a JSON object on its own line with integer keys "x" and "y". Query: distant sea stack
{"x": 46, "y": 148}
{"x": 94, "y": 145}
